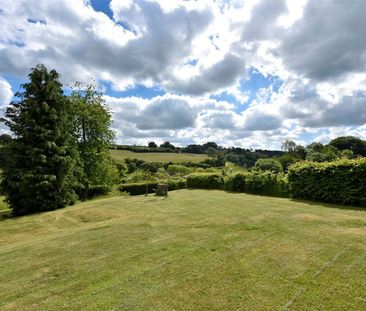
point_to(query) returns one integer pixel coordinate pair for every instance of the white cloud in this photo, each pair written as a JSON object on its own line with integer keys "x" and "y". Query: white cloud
{"x": 6, "y": 93}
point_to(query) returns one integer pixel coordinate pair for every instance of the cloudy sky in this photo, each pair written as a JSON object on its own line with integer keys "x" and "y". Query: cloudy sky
{"x": 246, "y": 73}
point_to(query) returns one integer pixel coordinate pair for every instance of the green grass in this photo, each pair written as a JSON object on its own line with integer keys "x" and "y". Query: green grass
{"x": 158, "y": 156}
{"x": 195, "y": 250}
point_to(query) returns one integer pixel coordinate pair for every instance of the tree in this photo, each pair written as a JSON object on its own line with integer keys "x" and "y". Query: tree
{"x": 91, "y": 129}
{"x": 167, "y": 145}
{"x": 268, "y": 165}
{"x": 37, "y": 174}
{"x": 194, "y": 148}
{"x": 288, "y": 145}
{"x": 152, "y": 145}
{"x": 356, "y": 145}
{"x": 211, "y": 152}
{"x": 209, "y": 144}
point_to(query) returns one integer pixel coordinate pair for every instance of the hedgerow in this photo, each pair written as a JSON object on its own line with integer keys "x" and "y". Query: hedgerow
{"x": 205, "y": 181}
{"x": 342, "y": 181}
{"x": 256, "y": 182}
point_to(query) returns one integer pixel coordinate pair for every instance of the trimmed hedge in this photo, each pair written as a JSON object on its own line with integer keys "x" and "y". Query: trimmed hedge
{"x": 175, "y": 184}
{"x": 205, "y": 181}
{"x": 342, "y": 181}
{"x": 256, "y": 182}
{"x": 138, "y": 188}
{"x": 93, "y": 191}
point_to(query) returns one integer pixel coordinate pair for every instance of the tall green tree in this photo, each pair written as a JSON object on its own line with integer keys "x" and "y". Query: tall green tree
{"x": 91, "y": 128}
{"x": 37, "y": 171}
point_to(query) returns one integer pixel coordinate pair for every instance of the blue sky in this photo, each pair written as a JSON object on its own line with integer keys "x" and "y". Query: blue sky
{"x": 243, "y": 73}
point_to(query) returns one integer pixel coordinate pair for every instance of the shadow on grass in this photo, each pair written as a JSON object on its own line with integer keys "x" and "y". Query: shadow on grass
{"x": 331, "y": 205}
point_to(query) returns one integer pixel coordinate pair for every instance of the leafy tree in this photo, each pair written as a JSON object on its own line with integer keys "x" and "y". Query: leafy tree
{"x": 268, "y": 165}
{"x": 37, "y": 174}
{"x": 152, "y": 145}
{"x": 286, "y": 160}
{"x": 211, "y": 152}
{"x": 91, "y": 129}
{"x": 288, "y": 145}
{"x": 210, "y": 144}
{"x": 356, "y": 145}
{"x": 167, "y": 145}
{"x": 194, "y": 149}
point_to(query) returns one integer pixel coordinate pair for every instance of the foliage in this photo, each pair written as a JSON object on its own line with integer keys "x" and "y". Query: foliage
{"x": 356, "y": 145}
{"x": 139, "y": 175}
{"x": 176, "y": 183}
{"x": 272, "y": 165}
{"x": 205, "y": 181}
{"x": 176, "y": 169}
{"x": 152, "y": 145}
{"x": 4, "y": 139}
{"x": 211, "y": 152}
{"x": 91, "y": 129}
{"x": 167, "y": 145}
{"x": 286, "y": 160}
{"x": 341, "y": 181}
{"x": 138, "y": 188}
{"x": 37, "y": 174}
{"x": 257, "y": 182}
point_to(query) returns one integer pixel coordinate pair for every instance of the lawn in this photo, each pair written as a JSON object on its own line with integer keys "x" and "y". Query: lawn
{"x": 195, "y": 250}
{"x": 158, "y": 156}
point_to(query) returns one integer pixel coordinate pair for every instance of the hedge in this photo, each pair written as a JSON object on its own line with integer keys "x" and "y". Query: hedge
{"x": 257, "y": 182}
{"x": 93, "y": 191}
{"x": 175, "y": 184}
{"x": 138, "y": 188}
{"x": 342, "y": 181}
{"x": 205, "y": 181}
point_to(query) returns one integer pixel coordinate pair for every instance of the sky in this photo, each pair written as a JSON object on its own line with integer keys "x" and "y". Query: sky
{"x": 246, "y": 73}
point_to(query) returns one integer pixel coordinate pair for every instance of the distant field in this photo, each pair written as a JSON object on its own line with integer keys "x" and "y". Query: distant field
{"x": 158, "y": 156}
{"x": 195, "y": 250}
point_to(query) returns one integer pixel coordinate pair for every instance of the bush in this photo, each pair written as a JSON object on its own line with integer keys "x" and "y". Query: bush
{"x": 175, "y": 184}
{"x": 98, "y": 190}
{"x": 235, "y": 182}
{"x": 267, "y": 183}
{"x": 205, "y": 181}
{"x": 138, "y": 188}
{"x": 341, "y": 181}
{"x": 176, "y": 169}
{"x": 272, "y": 165}
{"x": 256, "y": 182}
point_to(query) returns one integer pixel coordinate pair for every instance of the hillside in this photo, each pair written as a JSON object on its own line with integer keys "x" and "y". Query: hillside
{"x": 195, "y": 250}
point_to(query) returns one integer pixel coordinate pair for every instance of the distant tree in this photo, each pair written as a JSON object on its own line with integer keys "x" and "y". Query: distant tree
{"x": 37, "y": 174}
{"x": 210, "y": 144}
{"x": 91, "y": 129}
{"x": 152, "y": 145}
{"x": 315, "y": 147}
{"x": 286, "y": 160}
{"x": 195, "y": 149}
{"x": 167, "y": 145}
{"x": 269, "y": 165}
{"x": 288, "y": 145}
{"x": 355, "y": 144}
{"x": 211, "y": 152}
{"x": 347, "y": 154}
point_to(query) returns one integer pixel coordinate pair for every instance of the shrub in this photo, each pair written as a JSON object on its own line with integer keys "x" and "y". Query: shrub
{"x": 175, "y": 184}
{"x": 257, "y": 182}
{"x": 235, "y": 182}
{"x": 98, "y": 190}
{"x": 138, "y": 188}
{"x": 176, "y": 169}
{"x": 139, "y": 176}
{"x": 267, "y": 183}
{"x": 272, "y": 165}
{"x": 205, "y": 181}
{"x": 341, "y": 181}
